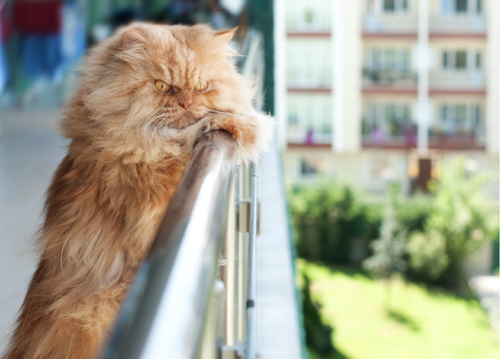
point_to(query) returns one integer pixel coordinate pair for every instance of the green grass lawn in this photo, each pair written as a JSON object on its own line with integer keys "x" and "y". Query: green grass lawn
{"x": 424, "y": 323}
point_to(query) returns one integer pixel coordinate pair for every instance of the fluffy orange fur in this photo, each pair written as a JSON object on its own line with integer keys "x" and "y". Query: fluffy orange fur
{"x": 129, "y": 146}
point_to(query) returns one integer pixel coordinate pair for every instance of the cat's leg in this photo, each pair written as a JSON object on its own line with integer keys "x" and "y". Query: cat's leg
{"x": 68, "y": 328}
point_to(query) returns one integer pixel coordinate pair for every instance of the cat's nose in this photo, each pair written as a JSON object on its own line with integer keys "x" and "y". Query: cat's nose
{"x": 185, "y": 104}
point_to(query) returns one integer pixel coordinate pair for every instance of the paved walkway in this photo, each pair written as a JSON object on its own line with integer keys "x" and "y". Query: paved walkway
{"x": 487, "y": 288}
{"x": 278, "y": 328}
{"x": 30, "y": 150}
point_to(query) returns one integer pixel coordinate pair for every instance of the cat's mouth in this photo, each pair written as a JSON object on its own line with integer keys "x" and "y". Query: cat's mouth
{"x": 181, "y": 122}
{"x": 185, "y": 121}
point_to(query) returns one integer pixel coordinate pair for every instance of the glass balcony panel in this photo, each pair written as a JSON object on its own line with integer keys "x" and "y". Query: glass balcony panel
{"x": 309, "y": 63}
{"x": 458, "y": 69}
{"x": 388, "y": 66}
{"x": 309, "y": 119}
{"x": 388, "y": 124}
{"x": 458, "y": 126}
{"x": 458, "y": 16}
{"x": 390, "y": 16}
{"x": 308, "y": 16}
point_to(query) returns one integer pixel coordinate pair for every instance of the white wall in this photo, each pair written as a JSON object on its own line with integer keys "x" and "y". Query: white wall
{"x": 347, "y": 77}
{"x": 493, "y": 100}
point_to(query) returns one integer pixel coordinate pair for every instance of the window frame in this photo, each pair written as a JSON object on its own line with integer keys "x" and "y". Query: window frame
{"x": 398, "y": 7}
{"x": 461, "y": 118}
{"x": 384, "y": 114}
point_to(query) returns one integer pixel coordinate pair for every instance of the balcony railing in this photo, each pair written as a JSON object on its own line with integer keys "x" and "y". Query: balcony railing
{"x": 389, "y": 77}
{"x": 404, "y": 136}
{"x": 194, "y": 295}
{"x": 457, "y": 80}
{"x": 390, "y": 24}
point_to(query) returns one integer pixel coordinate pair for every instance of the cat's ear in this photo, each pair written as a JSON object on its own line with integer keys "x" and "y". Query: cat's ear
{"x": 133, "y": 37}
{"x": 225, "y": 35}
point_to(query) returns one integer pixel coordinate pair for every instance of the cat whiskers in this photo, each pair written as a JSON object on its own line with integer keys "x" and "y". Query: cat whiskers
{"x": 224, "y": 113}
{"x": 151, "y": 139}
{"x": 154, "y": 119}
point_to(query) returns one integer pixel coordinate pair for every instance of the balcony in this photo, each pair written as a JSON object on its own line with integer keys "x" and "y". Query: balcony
{"x": 447, "y": 19}
{"x": 224, "y": 295}
{"x": 310, "y": 119}
{"x": 457, "y": 126}
{"x": 396, "y": 19}
{"x": 389, "y": 81}
{"x": 388, "y": 133}
{"x": 457, "y": 82}
{"x": 404, "y": 137}
{"x": 456, "y": 141}
{"x": 458, "y": 25}
{"x": 311, "y": 18}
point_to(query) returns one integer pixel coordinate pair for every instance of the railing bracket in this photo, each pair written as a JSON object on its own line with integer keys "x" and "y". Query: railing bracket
{"x": 244, "y": 216}
{"x": 234, "y": 351}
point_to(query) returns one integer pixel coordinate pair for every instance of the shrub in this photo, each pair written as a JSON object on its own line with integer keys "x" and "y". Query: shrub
{"x": 461, "y": 220}
{"x": 329, "y": 219}
{"x": 334, "y": 224}
{"x": 318, "y": 334}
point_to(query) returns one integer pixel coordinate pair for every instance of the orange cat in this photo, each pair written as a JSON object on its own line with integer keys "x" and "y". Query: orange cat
{"x": 145, "y": 95}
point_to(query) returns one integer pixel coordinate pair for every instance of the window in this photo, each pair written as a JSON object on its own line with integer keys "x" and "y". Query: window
{"x": 292, "y": 114}
{"x": 389, "y": 5}
{"x": 460, "y": 118}
{"x": 371, "y": 6}
{"x": 310, "y": 15}
{"x": 476, "y": 117}
{"x": 461, "y": 60}
{"x": 389, "y": 59}
{"x": 309, "y": 118}
{"x": 446, "y": 60}
{"x": 386, "y": 119}
{"x": 461, "y": 6}
{"x": 309, "y": 63}
{"x": 312, "y": 166}
{"x": 446, "y": 6}
{"x": 395, "y": 5}
{"x": 307, "y": 168}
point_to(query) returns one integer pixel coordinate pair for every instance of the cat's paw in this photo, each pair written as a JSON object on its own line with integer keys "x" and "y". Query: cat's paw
{"x": 252, "y": 132}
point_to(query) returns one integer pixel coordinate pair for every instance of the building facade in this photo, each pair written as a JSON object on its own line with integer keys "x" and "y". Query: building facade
{"x": 373, "y": 87}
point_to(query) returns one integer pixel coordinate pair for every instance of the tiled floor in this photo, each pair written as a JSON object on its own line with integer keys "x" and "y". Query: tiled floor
{"x": 30, "y": 150}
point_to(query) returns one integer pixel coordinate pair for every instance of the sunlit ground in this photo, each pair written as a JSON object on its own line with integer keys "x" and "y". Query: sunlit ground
{"x": 423, "y": 323}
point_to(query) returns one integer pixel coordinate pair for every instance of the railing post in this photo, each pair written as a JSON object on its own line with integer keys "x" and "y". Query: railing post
{"x": 251, "y": 347}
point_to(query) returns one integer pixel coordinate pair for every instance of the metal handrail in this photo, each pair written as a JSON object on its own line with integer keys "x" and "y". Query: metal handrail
{"x": 165, "y": 312}
{"x": 195, "y": 293}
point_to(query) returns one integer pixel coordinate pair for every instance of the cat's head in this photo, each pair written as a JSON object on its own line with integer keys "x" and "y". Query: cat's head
{"x": 148, "y": 75}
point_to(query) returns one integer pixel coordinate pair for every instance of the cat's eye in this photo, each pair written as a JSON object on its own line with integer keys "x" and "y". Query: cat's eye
{"x": 162, "y": 86}
{"x": 200, "y": 86}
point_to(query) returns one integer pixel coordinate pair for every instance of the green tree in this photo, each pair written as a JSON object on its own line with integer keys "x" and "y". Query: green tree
{"x": 389, "y": 250}
{"x": 462, "y": 219}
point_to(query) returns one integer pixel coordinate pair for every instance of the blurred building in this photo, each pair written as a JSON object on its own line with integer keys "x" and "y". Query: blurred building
{"x": 384, "y": 90}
